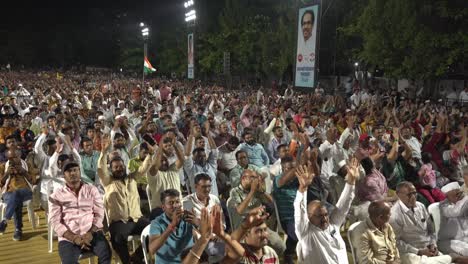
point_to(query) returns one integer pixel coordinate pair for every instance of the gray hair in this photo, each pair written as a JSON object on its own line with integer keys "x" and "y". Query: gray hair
{"x": 403, "y": 184}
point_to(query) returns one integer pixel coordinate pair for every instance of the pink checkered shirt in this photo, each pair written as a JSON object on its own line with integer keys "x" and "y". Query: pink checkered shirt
{"x": 67, "y": 211}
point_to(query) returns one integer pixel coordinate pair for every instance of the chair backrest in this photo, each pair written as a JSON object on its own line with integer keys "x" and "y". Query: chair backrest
{"x": 229, "y": 208}
{"x": 279, "y": 228}
{"x": 434, "y": 211}
{"x": 148, "y": 193}
{"x": 353, "y": 237}
{"x": 145, "y": 235}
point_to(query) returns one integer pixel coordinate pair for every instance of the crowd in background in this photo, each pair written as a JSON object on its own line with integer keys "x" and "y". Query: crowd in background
{"x": 233, "y": 176}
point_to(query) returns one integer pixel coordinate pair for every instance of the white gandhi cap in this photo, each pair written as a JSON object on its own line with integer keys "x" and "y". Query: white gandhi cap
{"x": 450, "y": 187}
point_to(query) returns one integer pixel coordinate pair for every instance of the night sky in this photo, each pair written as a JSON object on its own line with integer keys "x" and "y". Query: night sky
{"x": 158, "y": 11}
{"x": 85, "y": 34}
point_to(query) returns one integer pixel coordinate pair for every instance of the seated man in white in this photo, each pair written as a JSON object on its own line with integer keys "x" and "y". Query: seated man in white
{"x": 202, "y": 198}
{"x": 318, "y": 231}
{"x": 453, "y": 234}
{"x": 414, "y": 230}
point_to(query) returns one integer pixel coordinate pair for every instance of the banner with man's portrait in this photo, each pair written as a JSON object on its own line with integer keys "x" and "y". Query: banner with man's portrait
{"x": 190, "y": 74}
{"x": 305, "y": 73}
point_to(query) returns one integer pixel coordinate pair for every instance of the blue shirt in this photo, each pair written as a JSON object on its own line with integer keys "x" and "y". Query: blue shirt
{"x": 284, "y": 197}
{"x": 256, "y": 153}
{"x": 89, "y": 166}
{"x": 180, "y": 239}
{"x": 273, "y": 153}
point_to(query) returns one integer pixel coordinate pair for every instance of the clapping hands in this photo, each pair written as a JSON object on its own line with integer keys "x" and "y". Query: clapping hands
{"x": 305, "y": 175}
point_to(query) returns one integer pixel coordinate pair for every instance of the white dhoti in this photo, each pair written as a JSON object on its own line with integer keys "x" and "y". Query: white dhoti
{"x": 410, "y": 258}
{"x": 457, "y": 246}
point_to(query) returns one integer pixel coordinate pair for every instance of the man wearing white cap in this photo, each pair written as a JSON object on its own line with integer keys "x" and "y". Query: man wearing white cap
{"x": 453, "y": 234}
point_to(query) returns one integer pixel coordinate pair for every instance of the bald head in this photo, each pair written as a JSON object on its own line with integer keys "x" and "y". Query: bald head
{"x": 318, "y": 214}
{"x": 379, "y": 213}
{"x": 378, "y": 208}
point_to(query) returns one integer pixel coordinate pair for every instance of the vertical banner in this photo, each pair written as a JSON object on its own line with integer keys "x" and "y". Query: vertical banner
{"x": 306, "y": 47}
{"x": 190, "y": 74}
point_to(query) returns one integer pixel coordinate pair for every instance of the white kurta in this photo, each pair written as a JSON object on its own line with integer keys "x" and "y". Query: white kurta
{"x": 322, "y": 246}
{"x": 414, "y": 230}
{"x": 453, "y": 234}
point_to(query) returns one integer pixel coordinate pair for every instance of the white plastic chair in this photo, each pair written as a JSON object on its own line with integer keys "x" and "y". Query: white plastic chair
{"x": 29, "y": 205}
{"x": 434, "y": 211}
{"x": 144, "y": 235}
{"x": 50, "y": 236}
{"x": 279, "y": 228}
{"x": 354, "y": 232}
{"x": 131, "y": 238}
{"x": 148, "y": 193}
{"x": 228, "y": 203}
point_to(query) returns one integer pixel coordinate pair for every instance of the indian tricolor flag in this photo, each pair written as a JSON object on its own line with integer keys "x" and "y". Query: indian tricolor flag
{"x": 148, "y": 67}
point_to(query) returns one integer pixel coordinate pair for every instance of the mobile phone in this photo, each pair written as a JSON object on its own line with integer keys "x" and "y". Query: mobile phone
{"x": 187, "y": 205}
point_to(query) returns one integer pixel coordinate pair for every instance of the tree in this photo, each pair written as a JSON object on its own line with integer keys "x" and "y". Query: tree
{"x": 417, "y": 39}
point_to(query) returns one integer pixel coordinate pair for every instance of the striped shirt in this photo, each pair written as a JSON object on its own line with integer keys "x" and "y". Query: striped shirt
{"x": 269, "y": 256}
{"x": 284, "y": 198}
{"x": 76, "y": 213}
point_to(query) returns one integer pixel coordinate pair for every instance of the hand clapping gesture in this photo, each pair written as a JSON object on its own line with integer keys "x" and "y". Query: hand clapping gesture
{"x": 305, "y": 176}
{"x": 106, "y": 143}
{"x": 353, "y": 171}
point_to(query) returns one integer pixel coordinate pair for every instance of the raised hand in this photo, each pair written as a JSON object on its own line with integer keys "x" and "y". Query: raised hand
{"x": 176, "y": 217}
{"x": 45, "y": 129}
{"x": 255, "y": 217}
{"x": 353, "y": 171}
{"x": 305, "y": 177}
{"x": 105, "y": 142}
{"x": 207, "y": 127}
{"x": 59, "y": 145}
{"x": 350, "y": 121}
{"x": 161, "y": 141}
{"x": 216, "y": 214}
{"x": 396, "y": 133}
{"x": 254, "y": 185}
{"x": 206, "y": 223}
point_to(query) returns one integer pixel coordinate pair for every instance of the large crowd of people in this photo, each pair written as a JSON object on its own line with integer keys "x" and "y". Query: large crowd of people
{"x": 233, "y": 176}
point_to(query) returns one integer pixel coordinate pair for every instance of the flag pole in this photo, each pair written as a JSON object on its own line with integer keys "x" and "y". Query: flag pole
{"x": 145, "y": 50}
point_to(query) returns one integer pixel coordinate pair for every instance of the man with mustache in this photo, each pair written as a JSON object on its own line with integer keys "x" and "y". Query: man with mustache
{"x": 122, "y": 202}
{"x": 317, "y": 229}
{"x": 453, "y": 234}
{"x": 256, "y": 153}
{"x": 76, "y": 214}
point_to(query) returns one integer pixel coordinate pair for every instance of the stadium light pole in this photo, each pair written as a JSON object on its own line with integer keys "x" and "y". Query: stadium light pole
{"x": 190, "y": 18}
{"x": 145, "y": 35}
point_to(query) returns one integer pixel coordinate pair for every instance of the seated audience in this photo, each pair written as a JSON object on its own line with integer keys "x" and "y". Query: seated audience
{"x": 77, "y": 214}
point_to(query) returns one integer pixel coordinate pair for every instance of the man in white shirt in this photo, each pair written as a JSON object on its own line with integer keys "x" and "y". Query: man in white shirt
{"x": 453, "y": 234}
{"x": 355, "y": 99}
{"x": 202, "y": 198}
{"x": 414, "y": 230}
{"x": 452, "y": 96}
{"x": 463, "y": 97}
{"x": 331, "y": 153}
{"x": 365, "y": 97}
{"x": 318, "y": 233}
{"x": 350, "y": 135}
{"x": 412, "y": 142}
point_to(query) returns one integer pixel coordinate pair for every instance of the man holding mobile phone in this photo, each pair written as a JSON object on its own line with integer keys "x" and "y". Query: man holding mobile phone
{"x": 171, "y": 233}
{"x": 202, "y": 198}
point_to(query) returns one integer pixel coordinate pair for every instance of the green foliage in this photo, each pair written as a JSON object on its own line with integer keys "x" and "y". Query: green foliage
{"x": 417, "y": 39}
{"x": 257, "y": 35}
{"x": 131, "y": 59}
